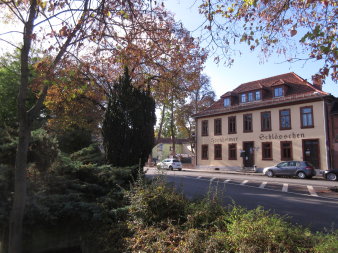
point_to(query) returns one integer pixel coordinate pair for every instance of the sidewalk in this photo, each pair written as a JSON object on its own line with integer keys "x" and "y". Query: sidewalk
{"x": 239, "y": 172}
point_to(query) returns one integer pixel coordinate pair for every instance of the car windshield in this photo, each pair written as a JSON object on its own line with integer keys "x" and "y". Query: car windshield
{"x": 176, "y": 161}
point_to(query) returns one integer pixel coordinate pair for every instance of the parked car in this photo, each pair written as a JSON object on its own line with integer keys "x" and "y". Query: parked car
{"x": 331, "y": 175}
{"x": 170, "y": 163}
{"x": 299, "y": 169}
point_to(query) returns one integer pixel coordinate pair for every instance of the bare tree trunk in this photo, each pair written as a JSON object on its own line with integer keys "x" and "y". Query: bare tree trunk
{"x": 19, "y": 202}
{"x": 18, "y": 209}
{"x": 172, "y": 127}
{"x": 161, "y": 125}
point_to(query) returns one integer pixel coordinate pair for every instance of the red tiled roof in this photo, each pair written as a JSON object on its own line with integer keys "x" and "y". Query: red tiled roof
{"x": 298, "y": 89}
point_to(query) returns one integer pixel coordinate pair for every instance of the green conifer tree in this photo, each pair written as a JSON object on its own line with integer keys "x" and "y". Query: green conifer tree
{"x": 128, "y": 126}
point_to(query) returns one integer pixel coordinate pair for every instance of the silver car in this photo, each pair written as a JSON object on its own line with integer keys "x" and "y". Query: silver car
{"x": 170, "y": 163}
{"x": 300, "y": 169}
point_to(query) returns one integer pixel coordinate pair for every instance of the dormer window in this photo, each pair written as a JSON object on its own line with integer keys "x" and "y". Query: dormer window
{"x": 227, "y": 102}
{"x": 250, "y": 97}
{"x": 243, "y": 98}
{"x": 278, "y": 92}
{"x": 258, "y": 95}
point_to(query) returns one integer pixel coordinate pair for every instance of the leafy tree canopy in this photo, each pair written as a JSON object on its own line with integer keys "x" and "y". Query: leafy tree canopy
{"x": 276, "y": 26}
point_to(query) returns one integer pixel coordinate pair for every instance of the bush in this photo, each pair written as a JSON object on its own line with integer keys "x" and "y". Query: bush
{"x": 73, "y": 139}
{"x": 327, "y": 243}
{"x": 205, "y": 213}
{"x": 260, "y": 231}
{"x": 156, "y": 203}
{"x": 43, "y": 149}
{"x": 90, "y": 154}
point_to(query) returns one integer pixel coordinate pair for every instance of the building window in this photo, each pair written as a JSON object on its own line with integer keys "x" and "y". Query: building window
{"x": 232, "y": 151}
{"x": 205, "y": 151}
{"x": 232, "y": 125}
{"x": 266, "y": 150}
{"x": 243, "y": 98}
{"x": 247, "y": 122}
{"x": 218, "y": 151}
{"x": 218, "y": 126}
{"x": 286, "y": 150}
{"x": 250, "y": 97}
{"x": 258, "y": 95}
{"x": 284, "y": 119}
{"x": 227, "y": 102}
{"x": 278, "y": 92}
{"x": 306, "y": 117}
{"x": 266, "y": 121}
{"x": 204, "y": 128}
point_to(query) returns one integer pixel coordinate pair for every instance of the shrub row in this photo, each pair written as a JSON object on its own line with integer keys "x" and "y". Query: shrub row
{"x": 162, "y": 220}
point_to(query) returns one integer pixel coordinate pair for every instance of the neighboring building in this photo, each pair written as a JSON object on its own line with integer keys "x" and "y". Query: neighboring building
{"x": 263, "y": 122}
{"x": 164, "y": 149}
{"x": 334, "y": 133}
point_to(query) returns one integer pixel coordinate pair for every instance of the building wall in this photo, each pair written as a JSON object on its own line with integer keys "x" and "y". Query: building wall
{"x": 296, "y": 134}
{"x": 335, "y": 141}
{"x": 163, "y": 150}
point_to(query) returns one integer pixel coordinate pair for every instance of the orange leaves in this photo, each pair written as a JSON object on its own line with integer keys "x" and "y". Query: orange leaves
{"x": 64, "y": 31}
{"x": 73, "y": 100}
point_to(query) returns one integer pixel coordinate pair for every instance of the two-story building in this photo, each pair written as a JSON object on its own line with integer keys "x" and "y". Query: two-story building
{"x": 266, "y": 121}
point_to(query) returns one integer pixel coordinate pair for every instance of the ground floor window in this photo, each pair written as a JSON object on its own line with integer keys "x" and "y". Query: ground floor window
{"x": 205, "y": 152}
{"x": 218, "y": 151}
{"x": 266, "y": 150}
{"x": 286, "y": 150}
{"x": 232, "y": 151}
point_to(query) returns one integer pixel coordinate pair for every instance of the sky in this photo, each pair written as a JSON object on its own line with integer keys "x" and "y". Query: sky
{"x": 246, "y": 67}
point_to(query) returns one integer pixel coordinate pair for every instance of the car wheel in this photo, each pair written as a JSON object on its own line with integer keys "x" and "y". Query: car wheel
{"x": 301, "y": 175}
{"x": 331, "y": 177}
{"x": 180, "y": 169}
{"x": 269, "y": 173}
{"x": 171, "y": 168}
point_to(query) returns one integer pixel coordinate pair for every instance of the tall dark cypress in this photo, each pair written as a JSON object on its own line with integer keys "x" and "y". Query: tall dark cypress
{"x": 128, "y": 126}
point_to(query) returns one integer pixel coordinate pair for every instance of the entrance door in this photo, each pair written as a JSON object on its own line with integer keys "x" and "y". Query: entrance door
{"x": 248, "y": 159}
{"x": 311, "y": 152}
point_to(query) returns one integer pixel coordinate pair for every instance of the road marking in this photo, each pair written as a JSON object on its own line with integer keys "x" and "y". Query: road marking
{"x": 227, "y": 181}
{"x": 263, "y": 185}
{"x": 285, "y": 188}
{"x": 212, "y": 179}
{"x": 199, "y": 177}
{"x": 312, "y": 191}
{"x": 244, "y": 182}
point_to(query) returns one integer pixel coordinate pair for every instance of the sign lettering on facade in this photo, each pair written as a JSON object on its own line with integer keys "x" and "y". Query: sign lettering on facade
{"x": 276, "y": 136}
{"x": 262, "y": 137}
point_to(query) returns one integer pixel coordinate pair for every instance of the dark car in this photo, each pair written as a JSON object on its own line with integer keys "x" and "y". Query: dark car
{"x": 331, "y": 175}
{"x": 301, "y": 169}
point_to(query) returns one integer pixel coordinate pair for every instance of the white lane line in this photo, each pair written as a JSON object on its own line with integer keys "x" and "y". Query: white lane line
{"x": 199, "y": 177}
{"x": 312, "y": 191}
{"x": 244, "y": 182}
{"x": 262, "y": 186}
{"x": 285, "y": 188}
{"x": 212, "y": 179}
{"x": 227, "y": 181}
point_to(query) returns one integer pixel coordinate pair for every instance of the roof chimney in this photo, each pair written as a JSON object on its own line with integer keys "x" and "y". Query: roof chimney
{"x": 317, "y": 82}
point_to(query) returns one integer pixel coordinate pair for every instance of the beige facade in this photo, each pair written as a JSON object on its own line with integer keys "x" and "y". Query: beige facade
{"x": 265, "y": 122}
{"x": 296, "y": 135}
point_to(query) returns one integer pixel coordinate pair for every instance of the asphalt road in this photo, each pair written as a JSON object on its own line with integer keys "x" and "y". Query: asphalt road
{"x": 310, "y": 203}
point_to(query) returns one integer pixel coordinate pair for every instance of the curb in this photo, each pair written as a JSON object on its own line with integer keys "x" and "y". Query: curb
{"x": 235, "y": 172}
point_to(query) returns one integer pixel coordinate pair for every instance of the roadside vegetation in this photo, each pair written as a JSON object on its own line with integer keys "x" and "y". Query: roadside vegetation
{"x": 162, "y": 220}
